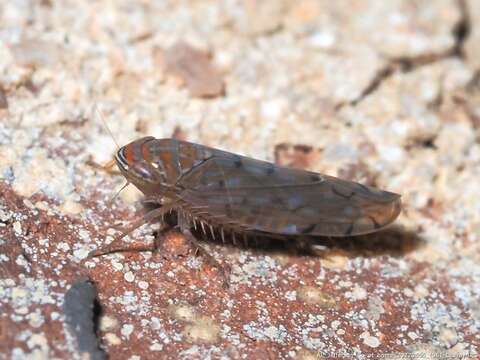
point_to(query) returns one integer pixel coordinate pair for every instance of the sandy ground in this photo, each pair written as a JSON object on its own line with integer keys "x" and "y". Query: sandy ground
{"x": 382, "y": 92}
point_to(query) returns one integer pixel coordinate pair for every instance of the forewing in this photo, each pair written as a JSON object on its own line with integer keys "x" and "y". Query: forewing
{"x": 259, "y": 196}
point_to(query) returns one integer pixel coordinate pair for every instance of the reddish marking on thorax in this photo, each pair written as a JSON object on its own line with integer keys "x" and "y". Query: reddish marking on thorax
{"x": 146, "y": 152}
{"x": 129, "y": 153}
{"x": 167, "y": 160}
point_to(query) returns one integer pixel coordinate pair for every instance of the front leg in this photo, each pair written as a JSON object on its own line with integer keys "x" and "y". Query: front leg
{"x": 115, "y": 245}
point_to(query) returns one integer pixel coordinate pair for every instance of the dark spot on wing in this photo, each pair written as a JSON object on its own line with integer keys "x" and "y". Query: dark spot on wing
{"x": 238, "y": 162}
{"x": 315, "y": 177}
{"x": 308, "y": 229}
{"x": 335, "y": 191}
{"x": 375, "y": 223}
{"x": 349, "y": 230}
{"x": 270, "y": 169}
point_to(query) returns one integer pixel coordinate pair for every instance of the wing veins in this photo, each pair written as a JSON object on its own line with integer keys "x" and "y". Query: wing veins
{"x": 273, "y": 186}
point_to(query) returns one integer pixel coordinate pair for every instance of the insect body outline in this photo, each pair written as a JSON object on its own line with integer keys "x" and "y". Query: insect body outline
{"x": 242, "y": 195}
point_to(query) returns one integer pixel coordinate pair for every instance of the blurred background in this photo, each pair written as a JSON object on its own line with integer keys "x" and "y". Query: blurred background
{"x": 381, "y": 92}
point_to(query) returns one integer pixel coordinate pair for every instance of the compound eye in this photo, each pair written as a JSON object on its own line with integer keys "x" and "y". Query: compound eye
{"x": 145, "y": 172}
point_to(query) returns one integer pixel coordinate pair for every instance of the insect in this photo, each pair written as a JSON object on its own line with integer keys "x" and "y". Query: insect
{"x": 225, "y": 193}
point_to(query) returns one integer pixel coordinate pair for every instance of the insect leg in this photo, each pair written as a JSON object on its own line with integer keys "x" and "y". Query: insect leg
{"x": 211, "y": 231}
{"x": 222, "y": 233}
{"x": 245, "y": 240}
{"x": 113, "y": 247}
{"x": 224, "y": 271}
{"x": 203, "y": 227}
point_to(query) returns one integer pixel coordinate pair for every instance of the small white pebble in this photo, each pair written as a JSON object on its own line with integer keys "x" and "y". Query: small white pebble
{"x": 35, "y": 319}
{"x": 42, "y": 205}
{"x": 81, "y": 253}
{"x": 117, "y": 266}
{"x": 89, "y": 264}
{"x": 272, "y": 109}
{"x": 108, "y": 323}
{"x": 412, "y": 335}
{"x": 359, "y": 293}
{"x": 143, "y": 285}
{"x": 17, "y": 227}
{"x": 291, "y": 295}
{"x": 28, "y": 203}
{"x": 18, "y": 293}
{"x": 72, "y": 207}
{"x": 22, "y": 310}
{"x": 127, "y": 330}
{"x": 156, "y": 347}
{"x": 322, "y": 39}
{"x": 420, "y": 292}
{"x": 345, "y": 284}
{"x": 371, "y": 341}
{"x": 63, "y": 246}
{"x": 129, "y": 276}
{"x": 84, "y": 234}
{"x": 37, "y": 340}
{"x": 155, "y": 323}
{"x": 112, "y": 339}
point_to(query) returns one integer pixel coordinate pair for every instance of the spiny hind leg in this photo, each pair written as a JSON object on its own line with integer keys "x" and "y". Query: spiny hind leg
{"x": 200, "y": 249}
{"x": 115, "y": 245}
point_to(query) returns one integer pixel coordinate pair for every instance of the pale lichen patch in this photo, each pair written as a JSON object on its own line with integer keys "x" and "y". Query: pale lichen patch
{"x": 315, "y": 296}
{"x": 108, "y": 323}
{"x": 203, "y": 330}
{"x": 112, "y": 339}
{"x": 369, "y": 340}
{"x": 183, "y": 312}
{"x": 127, "y": 330}
{"x": 357, "y": 293}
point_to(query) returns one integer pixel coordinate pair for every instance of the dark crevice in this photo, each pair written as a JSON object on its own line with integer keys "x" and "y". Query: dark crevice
{"x": 428, "y": 143}
{"x": 82, "y": 315}
{"x": 461, "y": 31}
{"x": 383, "y": 74}
{"x": 97, "y": 313}
{"x": 406, "y": 65}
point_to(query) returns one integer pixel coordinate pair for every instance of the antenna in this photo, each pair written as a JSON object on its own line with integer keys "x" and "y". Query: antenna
{"x": 97, "y": 110}
{"x": 119, "y": 191}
